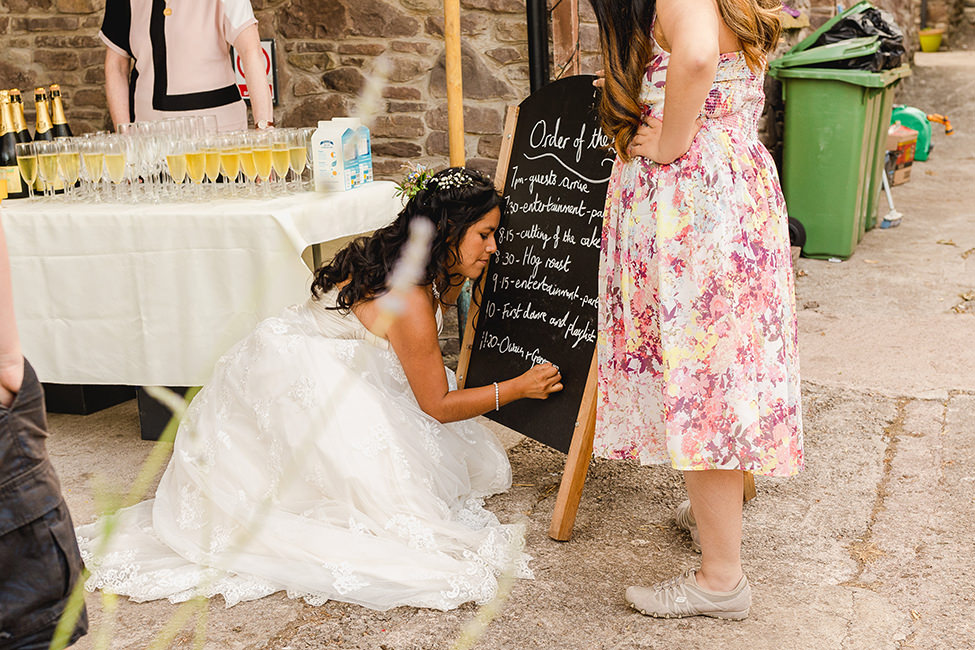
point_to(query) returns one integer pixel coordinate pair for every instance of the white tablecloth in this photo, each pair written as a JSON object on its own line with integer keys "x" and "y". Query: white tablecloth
{"x": 147, "y": 294}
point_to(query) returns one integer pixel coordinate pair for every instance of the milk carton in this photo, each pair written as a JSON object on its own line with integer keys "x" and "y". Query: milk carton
{"x": 363, "y": 146}
{"x": 364, "y": 154}
{"x": 349, "y": 160}
{"x": 334, "y": 160}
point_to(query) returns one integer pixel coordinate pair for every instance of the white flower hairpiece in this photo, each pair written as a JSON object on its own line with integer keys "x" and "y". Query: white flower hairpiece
{"x": 456, "y": 178}
{"x": 419, "y": 178}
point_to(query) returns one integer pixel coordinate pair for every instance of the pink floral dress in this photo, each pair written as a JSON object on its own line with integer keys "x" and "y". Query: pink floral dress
{"x": 698, "y": 364}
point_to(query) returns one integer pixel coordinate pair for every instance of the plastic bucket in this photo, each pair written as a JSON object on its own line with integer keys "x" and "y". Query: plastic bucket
{"x": 930, "y": 39}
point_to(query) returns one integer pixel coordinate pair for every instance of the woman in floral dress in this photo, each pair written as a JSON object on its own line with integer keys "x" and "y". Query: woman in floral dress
{"x": 698, "y": 365}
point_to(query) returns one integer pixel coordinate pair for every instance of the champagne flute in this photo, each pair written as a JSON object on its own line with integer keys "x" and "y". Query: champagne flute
{"x": 306, "y": 134}
{"x": 247, "y": 163}
{"x": 229, "y": 158}
{"x": 69, "y": 163}
{"x": 176, "y": 161}
{"x": 150, "y": 155}
{"x": 209, "y": 125}
{"x": 115, "y": 159}
{"x": 263, "y": 159}
{"x": 47, "y": 165}
{"x": 173, "y": 153}
{"x": 193, "y": 127}
{"x": 128, "y": 140}
{"x": 196, "y": 165}
{"x": 93, "y": 163}
{"x": 280, "y": 156}
{"x": 27, "y": 163}
{"x": 211, "y": 160}
{"x": 299, "y": 155}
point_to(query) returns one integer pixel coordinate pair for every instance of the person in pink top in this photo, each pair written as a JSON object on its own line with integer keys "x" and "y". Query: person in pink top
{"x": 182, "y": 65}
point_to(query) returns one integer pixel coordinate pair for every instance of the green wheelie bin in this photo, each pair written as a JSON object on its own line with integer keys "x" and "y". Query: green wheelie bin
{"x": 834, "y": 141}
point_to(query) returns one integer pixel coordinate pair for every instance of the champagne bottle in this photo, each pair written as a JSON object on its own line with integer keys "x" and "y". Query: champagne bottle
{"x": 61, "y": 128}
{"x": 43, "y": 129}
{"x": 20, "y": 124}
{"x": 8, "y": 151}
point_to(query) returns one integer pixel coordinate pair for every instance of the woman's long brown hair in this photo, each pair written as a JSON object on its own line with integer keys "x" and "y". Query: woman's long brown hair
{"x": 757, "y": 25}
{"x": 624, "y": 36}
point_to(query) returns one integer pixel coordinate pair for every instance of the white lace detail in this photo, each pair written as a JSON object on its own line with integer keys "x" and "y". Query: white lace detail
{"x": 474, "y": 516}
{"x": 275, "y": 326}
{"x": 374, "y": 440}
{"x": 224, "y": 438}
{"x": 430, "y": 436}
{"x": 220, "y": 539}
{"x": 303, "y": 392}
{"x": 396, "y": 372}
{"x": 190, "y": 508}
{"x": 357, "y": 527}
{"x": 345, "y": 350}
{"x": 275, "y": 470}
{"x": 262, "y": 409}
{"x": 345, "y": 579}
{"x": 408, "y": 527}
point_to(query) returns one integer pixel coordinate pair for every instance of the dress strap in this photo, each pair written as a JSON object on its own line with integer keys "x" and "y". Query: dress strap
{"x": 439, "y": 312}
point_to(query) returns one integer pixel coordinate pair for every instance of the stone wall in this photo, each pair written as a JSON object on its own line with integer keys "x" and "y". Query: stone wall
{"x": 956, "y": 17}
{"x": 334, "y": 49}
{"x": 56, "y": 41}
{"x": 945, "y": 13}
{"x": 380, "y": 59}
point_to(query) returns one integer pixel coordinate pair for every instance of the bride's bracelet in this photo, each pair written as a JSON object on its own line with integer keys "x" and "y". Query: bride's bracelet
{"x": 497, "y": 397}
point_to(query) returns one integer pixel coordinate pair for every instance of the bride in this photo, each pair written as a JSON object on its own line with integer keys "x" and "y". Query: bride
{"x": 331, "y": 462}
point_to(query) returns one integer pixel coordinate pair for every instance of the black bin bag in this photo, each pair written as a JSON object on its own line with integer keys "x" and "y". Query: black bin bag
{"x": 869, "y": 22}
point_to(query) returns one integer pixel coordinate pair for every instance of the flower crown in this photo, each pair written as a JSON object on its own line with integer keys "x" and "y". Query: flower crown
{"x": 420, "y": 176}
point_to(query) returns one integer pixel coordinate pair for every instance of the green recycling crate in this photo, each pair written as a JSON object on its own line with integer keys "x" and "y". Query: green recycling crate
{"x": 834, "y": 142}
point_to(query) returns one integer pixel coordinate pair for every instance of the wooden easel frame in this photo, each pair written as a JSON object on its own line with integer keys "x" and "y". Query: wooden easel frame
{"x": 580, "y": 447}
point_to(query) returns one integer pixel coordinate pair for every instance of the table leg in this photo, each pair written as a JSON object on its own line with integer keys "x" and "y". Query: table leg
{"x": 82, "y": 399}
{"x": 154, "y": 416}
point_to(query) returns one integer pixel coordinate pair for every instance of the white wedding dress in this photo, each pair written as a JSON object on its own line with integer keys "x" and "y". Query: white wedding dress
{"x": 306, "y": 465}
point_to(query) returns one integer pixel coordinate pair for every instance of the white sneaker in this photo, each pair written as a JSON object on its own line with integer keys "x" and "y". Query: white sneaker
{"x": 681, "y": 596}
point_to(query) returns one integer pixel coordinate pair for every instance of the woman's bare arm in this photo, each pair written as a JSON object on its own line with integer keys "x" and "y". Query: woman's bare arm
{"x": 691, "y": 28}
{"x": 117, "y": 69}
{"x": 11, "y": 360}
{"x": 248, "y": 46}
{"x": 413, "y": 336}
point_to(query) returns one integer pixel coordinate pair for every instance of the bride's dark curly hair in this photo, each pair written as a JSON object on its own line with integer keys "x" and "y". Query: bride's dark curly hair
{"x": 368, "y": 260}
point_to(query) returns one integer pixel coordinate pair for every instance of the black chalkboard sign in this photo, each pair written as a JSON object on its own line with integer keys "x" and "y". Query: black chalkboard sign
{"x": 539, "y": 299}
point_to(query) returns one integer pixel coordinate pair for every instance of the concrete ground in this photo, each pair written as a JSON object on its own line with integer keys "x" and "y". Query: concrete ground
{"x": 870, "y": 547}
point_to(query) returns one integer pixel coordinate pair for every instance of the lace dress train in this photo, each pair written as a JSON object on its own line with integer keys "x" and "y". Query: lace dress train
{"x": 306, "y": 465}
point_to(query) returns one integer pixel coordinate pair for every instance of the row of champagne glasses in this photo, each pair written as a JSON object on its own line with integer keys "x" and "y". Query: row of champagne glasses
{"x": 193, "y": 165}
{"x": 147, "y": 145}
{"x": 61, "y": 163}
{"x": 243, "y": 160}
{"x": 178, "y": 159}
